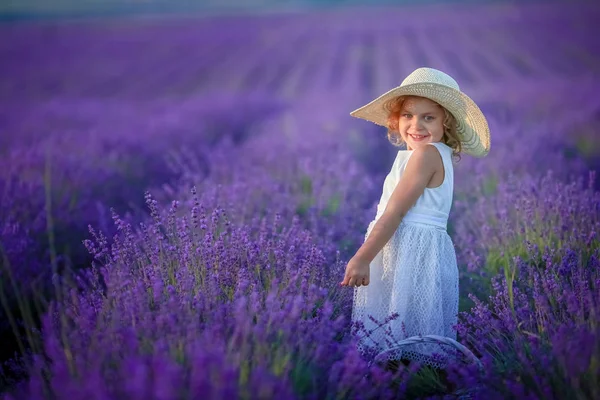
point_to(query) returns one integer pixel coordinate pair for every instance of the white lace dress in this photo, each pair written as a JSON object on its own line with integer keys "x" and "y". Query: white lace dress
{"x": 414, "y": 275}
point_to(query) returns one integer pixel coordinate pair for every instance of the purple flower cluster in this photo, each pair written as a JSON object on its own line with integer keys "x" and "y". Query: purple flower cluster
{"x": 193, "y": 305}
{"x": 539, "y": 332}
{"x": 90, "y": 154}
{"x": 527, "y": 214}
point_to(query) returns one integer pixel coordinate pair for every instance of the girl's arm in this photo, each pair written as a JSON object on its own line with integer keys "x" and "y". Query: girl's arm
{"x": 420, "y": 168}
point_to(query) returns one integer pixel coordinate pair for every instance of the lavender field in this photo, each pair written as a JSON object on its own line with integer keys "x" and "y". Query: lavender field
{"x": 179, "y": 198}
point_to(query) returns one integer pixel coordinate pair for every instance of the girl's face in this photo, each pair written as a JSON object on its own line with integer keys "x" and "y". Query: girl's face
{"x": 420, "y": 122}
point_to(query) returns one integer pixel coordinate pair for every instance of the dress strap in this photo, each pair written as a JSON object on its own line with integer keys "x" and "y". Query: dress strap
{"x": 442, "y": 147}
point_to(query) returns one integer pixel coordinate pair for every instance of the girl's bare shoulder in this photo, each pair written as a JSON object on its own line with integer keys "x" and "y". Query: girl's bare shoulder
{"x": 427, "y": 157}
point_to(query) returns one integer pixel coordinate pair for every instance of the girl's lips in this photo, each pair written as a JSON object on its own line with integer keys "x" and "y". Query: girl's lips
{"x": 418, "y": 138}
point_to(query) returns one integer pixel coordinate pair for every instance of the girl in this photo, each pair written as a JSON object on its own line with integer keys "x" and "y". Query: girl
{"x": 407, "y": 264}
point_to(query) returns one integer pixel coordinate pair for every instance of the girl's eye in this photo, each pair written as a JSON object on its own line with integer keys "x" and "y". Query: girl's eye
{"x": 428, "y": 118}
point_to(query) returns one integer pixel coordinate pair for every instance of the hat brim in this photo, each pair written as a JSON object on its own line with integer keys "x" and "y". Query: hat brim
{"x": 472, "y": 126}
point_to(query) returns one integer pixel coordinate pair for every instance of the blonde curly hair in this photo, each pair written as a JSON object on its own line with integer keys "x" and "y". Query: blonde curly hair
{"x": 450, "y": 137}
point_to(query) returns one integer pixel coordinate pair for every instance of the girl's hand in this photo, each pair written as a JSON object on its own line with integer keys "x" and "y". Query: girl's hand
{"x": 357, "y": 273}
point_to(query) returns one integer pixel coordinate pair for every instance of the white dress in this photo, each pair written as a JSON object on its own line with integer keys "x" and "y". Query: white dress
{"x": 415, "y": 274}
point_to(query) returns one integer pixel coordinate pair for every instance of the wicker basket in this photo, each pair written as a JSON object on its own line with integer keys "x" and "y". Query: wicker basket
{"x": 442, "y": 340}
{"x": 465, "y": 393}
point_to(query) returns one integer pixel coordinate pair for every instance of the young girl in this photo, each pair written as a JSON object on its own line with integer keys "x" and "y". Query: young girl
{"x": 407, "y": 264}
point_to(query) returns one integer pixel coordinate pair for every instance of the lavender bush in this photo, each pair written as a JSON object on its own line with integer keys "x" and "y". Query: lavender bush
{"x": 52, "y": 190}
{"x": 209, "y": 307}
{"x": 538, "y": 335}
{"x": 527, "y": 211}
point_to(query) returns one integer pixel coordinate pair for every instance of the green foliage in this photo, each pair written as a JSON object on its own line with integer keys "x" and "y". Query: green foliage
{"x": 490, "y": 185}
{"x": 587, "y": 146}
{"x": 302, "y": 377}
{"x": 306, "y": 185}
{"x": 307, "y": 199}
{"x": 333, "y": 204}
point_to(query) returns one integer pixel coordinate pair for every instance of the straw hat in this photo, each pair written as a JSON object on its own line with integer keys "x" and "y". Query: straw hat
{"x": 440, "y": 87}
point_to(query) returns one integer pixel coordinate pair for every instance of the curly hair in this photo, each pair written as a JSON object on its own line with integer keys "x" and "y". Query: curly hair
{"x": 450, "y": 136}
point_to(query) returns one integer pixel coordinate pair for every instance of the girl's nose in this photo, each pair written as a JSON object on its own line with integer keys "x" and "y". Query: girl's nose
{"x": 414, "y": 127}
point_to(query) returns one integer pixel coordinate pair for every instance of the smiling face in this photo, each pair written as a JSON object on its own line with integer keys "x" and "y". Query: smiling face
{"x": 421, "y": 121}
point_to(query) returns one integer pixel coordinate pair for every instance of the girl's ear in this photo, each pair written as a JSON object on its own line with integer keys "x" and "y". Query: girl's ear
{"x": 392, "y": 122}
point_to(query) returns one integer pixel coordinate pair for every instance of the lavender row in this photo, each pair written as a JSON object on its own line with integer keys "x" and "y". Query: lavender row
{"x": 174, "y": 254}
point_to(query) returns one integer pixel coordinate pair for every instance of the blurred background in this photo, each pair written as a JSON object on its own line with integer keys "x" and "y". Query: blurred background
{"x": 13, "y": 9}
